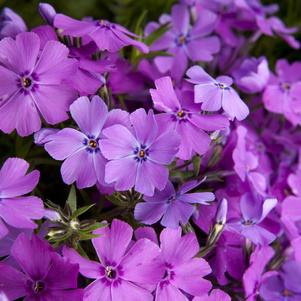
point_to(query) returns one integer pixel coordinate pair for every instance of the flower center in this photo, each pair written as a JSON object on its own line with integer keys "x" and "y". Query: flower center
{"x": 111, "y": 272}
{"x": 26, "y": 82}
{"x": 38, "y": 286}
{"x": 221, "y": 86}
{"x": 141, "y": 153}
{"x": 91, "y": 144}
{"x": 287, "y": 293}
{"x": 286, "y": 86}
{"x": 182, "y": 39}
{"x": 181, "y": 114}
{"x": 248, "y": 222}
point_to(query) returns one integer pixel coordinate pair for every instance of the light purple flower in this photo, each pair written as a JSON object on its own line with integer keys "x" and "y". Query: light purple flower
{"x": 184, "y": 41}
{"x": 284, "y": 286}
{"x": 15, "y": 209}
{"x": 254, "y": 275}
{"x": 282, "y": 94}
{"x": 138, "y": 157}
{"x": 273, "y": 25}
{"x": 246, "y": 163}
{"x": 42, "y": 274}
{"x": 127, "y": 271}
{"x": 84, "y": 162}
{"x": 215, "y": 94}
{"x": 107, "y": 36}
{"x": 32, "y": 83}
{"x": 173, "y": 207}
{"x": 47, "y": 12}
{"x": 11, "y": 23}
{"x": 253, "y": 212}
{"x": 184, "y": 116}
{"x": 183, "y": 271}
{"x": 215, "y": 295}
{"x": 252, "y": 75}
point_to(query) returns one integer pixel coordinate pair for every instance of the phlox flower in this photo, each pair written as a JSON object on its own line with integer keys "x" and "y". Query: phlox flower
{"x": 215, "y": 94}
{"x": 42, "y": 274}
{"x": 184, "y": 116}
{"x": 173, "y": 207}
{"x": 253, "y": 212}
{"x": 83, "y": 161}
{"x": 32, "y": 83}
{"x": 15, "y": 209}
{"x": 138, "y": 156}
{"x": 127, "y": 271}
{"x": 107, "y": 36}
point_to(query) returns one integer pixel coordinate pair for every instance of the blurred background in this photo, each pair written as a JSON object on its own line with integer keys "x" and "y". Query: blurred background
{"x": 128, "y": 12}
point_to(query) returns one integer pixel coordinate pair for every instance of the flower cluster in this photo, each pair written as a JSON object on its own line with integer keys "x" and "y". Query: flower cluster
{"x": 180, "y": 149}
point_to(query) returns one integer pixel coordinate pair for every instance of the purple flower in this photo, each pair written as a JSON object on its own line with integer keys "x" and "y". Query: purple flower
{"x": 282, "y": 94}
{"x": 184, "y": 41}
{"x": 284, "y": 286}
{"x": 32, "y": 83}
{"x": 184, "y": 116}
{"x": 183, "y": 271}
{"x": 15, "y": 209}
{"x": 274, "y": 25}
{"x": 253, "y": 212}
{"x": 41, "y": 275}
{"x": 84, "y": 162}
{"x": 173, "y": 207}
{"x": 215, "y": 94}
{"x": 47, "y": 12}
{"x": 127, "y": 271}
{"x": 11, "y": 24}
{"x": 137, "y": 157}
{"x": 253, "y": 276}
{"x": 107, "y": 36}
{"x": 215, "y": 295}
{"x": 246, "y": 163}
{"x": 252, "y": 75}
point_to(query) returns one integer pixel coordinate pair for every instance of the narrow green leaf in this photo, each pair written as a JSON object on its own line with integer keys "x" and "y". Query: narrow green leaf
{"x": 72, "y": 201}
{"x": 81, "y": 211}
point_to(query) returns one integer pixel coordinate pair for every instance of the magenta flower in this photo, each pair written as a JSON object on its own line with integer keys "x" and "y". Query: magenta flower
{"x": 138, "y": 157}
{"x": 11, "y": 23}
{"x": 283, "y": 286}
{"x": 107, "y": 36}
{"x": 173, "y": 207}
{"x": 15, "y": 209}
{"x": 274, "y": 26}
{"x": 32, "y": 83}
{"x": 254, "y": 275}
{"x": 252, "y": 75}
{"x": 215, "y": 295}
{"x": 282, "y": 94}
{"x": 84, "y": 162}
{"x": 183, "y": 272}
{"x": 127, "y": 271}
{"x": 246, "y": 163}
{"x": 42, "y": 274}
{"x": 184, "y": 116}
{"x": 253, "y": 212}
{"x": 184, "y": 41}
{"x": 215, "y": 94}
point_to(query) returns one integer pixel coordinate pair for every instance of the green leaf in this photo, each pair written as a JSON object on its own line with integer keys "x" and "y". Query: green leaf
{"x": 196, "y": 161}
{"x": 81, "y": 211}
{"x": 156, "y": 34}
{"x": 72, "y": 201}
{"x": 23, "y": 146}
